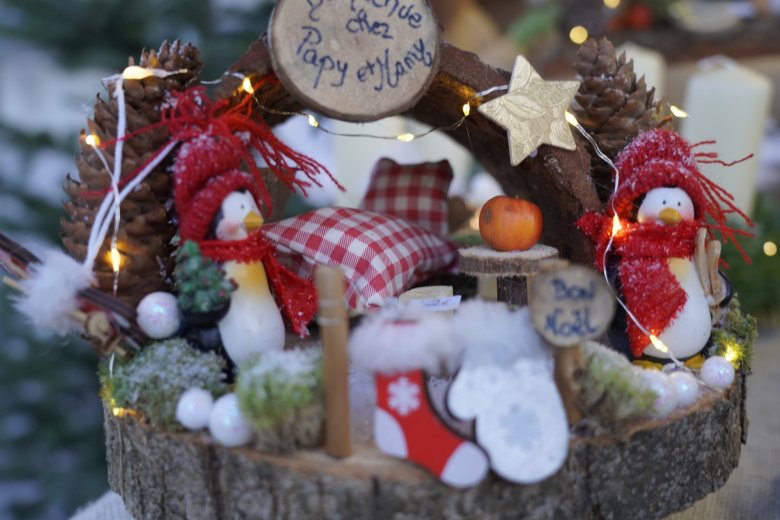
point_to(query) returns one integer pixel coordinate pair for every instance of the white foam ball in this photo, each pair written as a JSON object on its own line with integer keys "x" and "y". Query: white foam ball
{"x": 717, "y": 372}
{"x": 227, "y": 424}
{"x": 667, "y": 397}
{"x": 158, "y": 315}
{"x": 194, "y": 408}
{"x": 686, "y": 387}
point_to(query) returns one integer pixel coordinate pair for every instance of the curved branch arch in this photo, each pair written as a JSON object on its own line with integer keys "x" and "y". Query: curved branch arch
{"x": 557, "y": 180}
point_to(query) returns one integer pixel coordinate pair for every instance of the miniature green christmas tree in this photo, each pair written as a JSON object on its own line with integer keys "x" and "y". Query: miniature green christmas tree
{"x": 200, "y": 281}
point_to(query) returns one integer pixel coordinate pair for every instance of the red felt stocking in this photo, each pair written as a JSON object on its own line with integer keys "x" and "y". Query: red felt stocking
{"x": 406, "y": 426}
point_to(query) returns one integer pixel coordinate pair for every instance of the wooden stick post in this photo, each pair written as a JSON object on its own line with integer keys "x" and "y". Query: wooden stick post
{"x": 334, "y": 329}
{"x": 570, "y": 305}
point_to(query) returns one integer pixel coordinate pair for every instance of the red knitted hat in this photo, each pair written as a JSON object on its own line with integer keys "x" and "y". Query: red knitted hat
{"x": 197, "y": 161}
{"x": 656, "y": 159}
{"x": 206, "y": 171}
{"x": 196, "y": 216}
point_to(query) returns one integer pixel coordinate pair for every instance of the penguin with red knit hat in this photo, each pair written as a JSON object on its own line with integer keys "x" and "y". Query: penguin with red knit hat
{"x": 218, "y": 191}
{"x": 661, "y": 201}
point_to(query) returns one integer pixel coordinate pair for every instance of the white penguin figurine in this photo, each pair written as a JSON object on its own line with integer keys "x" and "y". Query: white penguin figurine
{"x": 690, "y": 330}
{"x": 254, "y": 323}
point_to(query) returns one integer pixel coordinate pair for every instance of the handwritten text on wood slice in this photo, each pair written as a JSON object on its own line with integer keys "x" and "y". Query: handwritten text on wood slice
{"x": 570, "y": 305}
{"x": 357, "y": 60}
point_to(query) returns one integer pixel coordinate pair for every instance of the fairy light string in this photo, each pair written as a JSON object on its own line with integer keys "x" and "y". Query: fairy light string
{"x": 111, "y": 203}
{"x": 248, "y": 87}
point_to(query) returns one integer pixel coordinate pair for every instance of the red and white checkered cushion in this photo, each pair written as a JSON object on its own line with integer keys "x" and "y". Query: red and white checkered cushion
{"x": 380, "y": 255}
{"x": 415, "y": 192}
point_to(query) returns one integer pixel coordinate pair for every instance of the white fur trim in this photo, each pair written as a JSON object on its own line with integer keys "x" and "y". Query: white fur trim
{"x": 383, "y": 344}
{"x": 493, "y": 334}
{"x": 50, "y": 292}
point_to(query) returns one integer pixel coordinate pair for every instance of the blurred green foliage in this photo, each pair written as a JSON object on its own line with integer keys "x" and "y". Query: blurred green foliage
{"x": 757, "y": 283}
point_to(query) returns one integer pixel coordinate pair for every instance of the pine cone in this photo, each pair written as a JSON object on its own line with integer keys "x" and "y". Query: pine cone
{"x": 614, "y": 107}
{"x": 146, "y": 228}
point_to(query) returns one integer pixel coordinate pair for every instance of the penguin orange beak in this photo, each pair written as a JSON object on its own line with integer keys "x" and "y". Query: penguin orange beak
{"x": 670, "y": 216}
{"x": 253, "y": 221}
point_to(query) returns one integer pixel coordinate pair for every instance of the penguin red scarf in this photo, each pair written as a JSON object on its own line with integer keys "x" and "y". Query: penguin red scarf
{"x": 296, "y": 297}
{"x": 649, "y": 288}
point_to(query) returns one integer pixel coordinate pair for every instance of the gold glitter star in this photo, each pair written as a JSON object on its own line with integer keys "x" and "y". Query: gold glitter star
{"x": 532, "y": 112}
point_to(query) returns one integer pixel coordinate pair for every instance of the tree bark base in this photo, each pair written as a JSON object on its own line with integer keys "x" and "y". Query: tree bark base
{"x": 657, "y": 468}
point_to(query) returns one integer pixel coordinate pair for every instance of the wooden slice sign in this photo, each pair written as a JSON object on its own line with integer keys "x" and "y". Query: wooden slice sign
{"x": 570, "y": 305}
{"x": 356, "y": 60}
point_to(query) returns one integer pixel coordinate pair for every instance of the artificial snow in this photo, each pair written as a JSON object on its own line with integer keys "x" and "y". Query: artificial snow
{"x": 492, "y": 334}
{"x": 389, "y": 342}
{"x": 293, "y": 365}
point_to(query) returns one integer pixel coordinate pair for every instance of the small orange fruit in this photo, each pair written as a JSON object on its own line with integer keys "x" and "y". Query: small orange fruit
{"x": 510, "y": 224}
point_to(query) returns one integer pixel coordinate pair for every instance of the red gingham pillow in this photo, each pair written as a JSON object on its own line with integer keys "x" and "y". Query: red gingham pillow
{"x": 415, "y": 192}
{"x": 380, "y": 255}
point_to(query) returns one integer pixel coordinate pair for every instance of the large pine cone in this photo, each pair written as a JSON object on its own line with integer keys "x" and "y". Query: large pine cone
{"x": 614, "y": 107}
{"x": 144, "y": 240}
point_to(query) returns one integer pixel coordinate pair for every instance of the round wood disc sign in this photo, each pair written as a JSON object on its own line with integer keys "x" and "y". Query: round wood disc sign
{"x": 355, "y": 60}
{"x": 570, "y": 305}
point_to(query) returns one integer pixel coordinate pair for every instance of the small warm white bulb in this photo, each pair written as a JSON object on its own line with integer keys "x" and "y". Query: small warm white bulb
{"x": 731, "y": 354}
{"x": 313, "y": 121}
{"x": 467, "y": 109}
{"x": 571, "y": 119}
{"x": 770, "y": 248}
{"x": 247, "y": 86}
{"x": 657, "y": 343}
{"x": 616, "y": 225}
{"x": 136, "y": 72}
{"x": 92, "y": 140}
{"x": 678, "y": 112}
{"x": 116, "y": 259}
{"x": 406, "y": 138}
{"x": 612, "y": 4}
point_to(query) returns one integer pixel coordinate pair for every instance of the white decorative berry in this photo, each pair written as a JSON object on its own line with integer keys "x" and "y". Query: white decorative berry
{"x": 686, "y": 387}
{"x": 194, "y": 408}
{"x": 404, "y": 396}
{"x": 717, "y": 372}
{"x": 663, "y": 387}
{"x": 227, "y": 424}
{"x": 158, "y": 315}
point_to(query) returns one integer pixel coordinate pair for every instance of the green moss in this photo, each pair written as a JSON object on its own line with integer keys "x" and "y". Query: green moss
{"x": 153, "y": 381}
{"x": 612, "y": 391}
{"x": 282, "y": 396}
{"x": 736, "y": 338}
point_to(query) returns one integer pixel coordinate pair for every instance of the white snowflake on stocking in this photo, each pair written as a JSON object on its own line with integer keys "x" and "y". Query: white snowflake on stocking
{"x": 404, "y": 397}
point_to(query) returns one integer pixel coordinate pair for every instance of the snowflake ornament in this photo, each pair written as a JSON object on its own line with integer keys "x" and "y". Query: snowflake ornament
{"x": 404, "y": 397}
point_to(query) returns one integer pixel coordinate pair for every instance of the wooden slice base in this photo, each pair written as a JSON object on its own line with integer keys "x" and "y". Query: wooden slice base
{"x": 660, "y": 467}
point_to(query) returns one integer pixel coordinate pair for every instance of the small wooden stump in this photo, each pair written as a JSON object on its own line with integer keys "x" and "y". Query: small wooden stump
{"x": 358, "y": 61}
{"x": 512, "y": 268}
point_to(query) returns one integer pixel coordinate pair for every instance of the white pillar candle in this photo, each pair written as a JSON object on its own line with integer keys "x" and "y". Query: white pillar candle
{"x": 728, "y": 103}
{"x": 647, "y": 63}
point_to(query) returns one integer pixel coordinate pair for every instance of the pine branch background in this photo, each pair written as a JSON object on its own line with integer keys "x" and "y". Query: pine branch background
{"x": 52, "y": 449}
